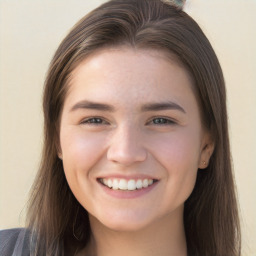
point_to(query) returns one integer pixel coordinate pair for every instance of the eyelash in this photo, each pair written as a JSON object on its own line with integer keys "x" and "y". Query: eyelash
{"x": 94, "y": 121}
{"x": 154, "y": 121}
{"x": 162, "y": 121}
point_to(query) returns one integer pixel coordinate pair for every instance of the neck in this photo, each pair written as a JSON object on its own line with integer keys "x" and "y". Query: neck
{"x": 165, "y": 237}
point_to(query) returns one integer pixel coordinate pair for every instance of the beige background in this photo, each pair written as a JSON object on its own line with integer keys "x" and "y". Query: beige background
{"x": 30, "y": 32}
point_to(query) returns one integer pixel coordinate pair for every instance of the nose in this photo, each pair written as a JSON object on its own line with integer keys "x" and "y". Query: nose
{"x": 126, "y": 147}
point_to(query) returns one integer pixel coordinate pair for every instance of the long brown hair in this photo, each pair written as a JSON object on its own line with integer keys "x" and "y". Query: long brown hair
{"x": 58, "y": 223}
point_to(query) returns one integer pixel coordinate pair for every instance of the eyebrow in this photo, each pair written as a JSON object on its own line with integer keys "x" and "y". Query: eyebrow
{"x": 85, "y": 104}
{"x": 162, "y": 106}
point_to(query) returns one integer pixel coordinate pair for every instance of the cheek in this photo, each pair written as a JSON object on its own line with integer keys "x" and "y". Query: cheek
{"x": 80, "y": 152}
{"x": 179, "y": 155}
{"x": 178, "y": 150}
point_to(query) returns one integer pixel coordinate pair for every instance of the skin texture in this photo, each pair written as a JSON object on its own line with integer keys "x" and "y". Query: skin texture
{"x": 127, "y": 141}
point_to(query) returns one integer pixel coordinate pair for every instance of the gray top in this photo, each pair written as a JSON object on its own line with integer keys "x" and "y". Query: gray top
{"x": 14, "y": 242}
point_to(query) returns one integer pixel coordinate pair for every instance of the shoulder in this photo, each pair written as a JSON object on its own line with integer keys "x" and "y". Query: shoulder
{"x": 14, "y": 242}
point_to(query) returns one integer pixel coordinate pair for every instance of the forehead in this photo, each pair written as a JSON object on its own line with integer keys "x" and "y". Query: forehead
{"x": 125, "y": 75}
{"x": 122, "y": 55}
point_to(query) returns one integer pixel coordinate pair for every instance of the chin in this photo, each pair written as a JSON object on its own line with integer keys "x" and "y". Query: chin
{"x": 123, "y": 222}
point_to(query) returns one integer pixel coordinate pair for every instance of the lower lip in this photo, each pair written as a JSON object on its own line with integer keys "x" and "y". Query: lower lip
{"x": 127, "y": 194}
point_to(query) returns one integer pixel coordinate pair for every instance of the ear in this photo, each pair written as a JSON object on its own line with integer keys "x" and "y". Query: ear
{"x": 59, "y": 151}
{"x": 60, "y": 155}
{"x": 206, "y": 151}
{"x": 58, "y": 148}
{"x": 57, "y": 141}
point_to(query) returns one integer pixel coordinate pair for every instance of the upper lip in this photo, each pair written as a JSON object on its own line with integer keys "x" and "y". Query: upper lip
{"x": 128, "y": 177}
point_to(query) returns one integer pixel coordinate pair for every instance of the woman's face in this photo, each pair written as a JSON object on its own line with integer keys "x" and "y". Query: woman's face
{"x": 131, "y": 137}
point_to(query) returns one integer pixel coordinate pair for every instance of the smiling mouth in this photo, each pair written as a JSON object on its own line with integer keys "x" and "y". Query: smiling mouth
{"x": 126, "y": 185}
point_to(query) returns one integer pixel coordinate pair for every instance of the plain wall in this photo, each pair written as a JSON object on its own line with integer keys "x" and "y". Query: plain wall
{"x": 30, "y": 31}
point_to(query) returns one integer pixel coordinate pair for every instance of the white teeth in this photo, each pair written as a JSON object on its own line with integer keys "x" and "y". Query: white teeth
{"x": 109, "y": 183}
{"x": 123, "y": 184}
{"x": 139, "y": 184}
{"x": 131, "y": 185}
{"x": 145, "y": 183}
{"x": 115, "y": 184}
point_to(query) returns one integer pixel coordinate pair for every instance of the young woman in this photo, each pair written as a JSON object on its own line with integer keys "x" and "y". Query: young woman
{"x": 136, "y": 156}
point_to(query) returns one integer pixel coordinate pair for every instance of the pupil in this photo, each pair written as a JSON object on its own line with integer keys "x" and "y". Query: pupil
{"x": 160, "y": 121}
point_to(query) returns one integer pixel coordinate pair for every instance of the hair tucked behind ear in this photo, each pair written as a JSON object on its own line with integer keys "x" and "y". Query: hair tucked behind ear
{"x": 58, "y": 223}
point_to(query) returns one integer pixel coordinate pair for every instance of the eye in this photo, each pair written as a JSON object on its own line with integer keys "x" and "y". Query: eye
{"x": 94, "y": 121}
{"x": 162, "y": 121}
